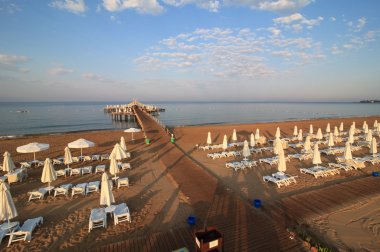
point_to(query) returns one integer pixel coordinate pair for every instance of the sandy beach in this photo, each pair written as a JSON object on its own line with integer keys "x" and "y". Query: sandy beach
{"x": 156, "y": 198}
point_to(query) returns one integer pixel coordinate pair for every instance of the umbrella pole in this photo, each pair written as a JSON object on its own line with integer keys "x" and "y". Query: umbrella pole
{"x": 81, "y": 154}
{"x": 34, "y": 156}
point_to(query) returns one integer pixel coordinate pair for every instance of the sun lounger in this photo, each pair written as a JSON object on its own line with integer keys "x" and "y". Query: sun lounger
{"x": 320, "y": 171}
{"x": 121, "y": 213}
{"x": 104, "y": 156}
{"x": 25, "y": 164}
{"x": 304, "y": 156}
{"x": 271, "y": 160}
{"x": 370, "y": 159}
{"x": 4, "y": 230}
{"x": 100, "y": 168}
{"x": 278, "y": 182}
{"x": 288, "y": 179}
{"x": 122, "y": 182}
{"x": 56, "y": 161}
{"x": 95, "y": 157}
{"x": 37, "y": 194}
{"x": 333, "y": 151}
{"x": 93, "y": 187}
{"x": 86, "y": 158}
{"x": 63, "y": 172}
{"x": 98, "y": 218}
{"x": 79, "y": 189}
{"x": 75, "y": 171}
{"x": 342, "y": 166}
{"x": 86, "y": 170}
{"x": 124, "y": 166}
{"x": 62, "y": 190}
{"x": 75, "y": 159}
{"x": 17, "y": 175}
{"x": 26, "y": 230}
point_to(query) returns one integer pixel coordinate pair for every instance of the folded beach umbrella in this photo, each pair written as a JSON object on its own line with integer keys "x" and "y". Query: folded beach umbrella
{"x": 106, "y": 195}
{"x": 311, "y": 130}
{"x": 281, "y": 166}
{"x": 132, "y": 130}
{"x": 67, "y": 160}
{"x": 336, "y": 132}
{"x": 80, "y": 144}
{"x": 341, "y": 127}
{"x": 295, "y": 131}
{"x": 350, "y": 137}
{"x": 300, "y": 136}
{"x": 252, "y": 141}
{"x": 234, "y": 137}
{"x": 209, "y": 141}
{"x": 347, "y": 151}
{"x": 330, "y": 142}
{"x": 364, "y": 125}
{"x": 373, "y": 148}
{"x": 48, "y": 173}
{"x": 8, "y": 164}
{"x": 278, "y": 133}
{"x": 368, "y": 137}
{"x": 307, "y": 144}
{"x": 378, "y": 128}
{"x": 114, "y": 169}
{"x": 277, "y": 145}
{"x": 7, "y": 206}
{"x": 118, "y": 152}
{"x": 353, "y": 125}
{"x": 122, "y": 143}
{"x": 257, "y": 134}
{"x": 319, "y": 135}
{"x": 365, "y": 129}
{"x": 375, "y": 124}
{"x": 246, "y": 151}
{"x": 225, "y": 143}
{"x": 32, "y": 148}
{"x": 316, "y": 155}
{"x": 328, "y": 130}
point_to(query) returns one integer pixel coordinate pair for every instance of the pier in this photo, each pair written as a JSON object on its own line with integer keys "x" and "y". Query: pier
{"x": 125, "y": 112}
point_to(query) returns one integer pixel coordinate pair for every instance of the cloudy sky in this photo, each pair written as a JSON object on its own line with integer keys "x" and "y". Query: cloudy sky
{"x": 189, "y": 50}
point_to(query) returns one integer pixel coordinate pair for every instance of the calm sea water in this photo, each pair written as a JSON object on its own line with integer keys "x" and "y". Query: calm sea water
{"x": 54, "y": 117}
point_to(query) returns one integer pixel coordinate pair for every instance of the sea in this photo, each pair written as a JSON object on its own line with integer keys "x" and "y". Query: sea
{"x": 60, "y": 117}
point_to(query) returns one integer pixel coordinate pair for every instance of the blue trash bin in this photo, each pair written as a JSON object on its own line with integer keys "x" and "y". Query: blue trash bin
{"x": 257, "y": 203}
{"x": 191, "y": 220}
{"x": 375, "y": 174}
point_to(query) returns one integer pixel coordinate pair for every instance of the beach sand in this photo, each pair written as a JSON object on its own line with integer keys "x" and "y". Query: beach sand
{"x": 155, "y": 199}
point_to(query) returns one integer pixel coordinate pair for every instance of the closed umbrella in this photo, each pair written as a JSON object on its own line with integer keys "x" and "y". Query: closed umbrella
{"x": 246, "y": 151}
{"x": 307, "y": 144}
{"x": 118, "y": 152}
{"x": 67, "y": 158}
{"x": 295, "y": 131}
{"x": 331, "y": 143}
{"x": 373, "y": 148}
{"x": 32, "y": 148}
{"x": 316, "y": 155}
{"x": 350, "y": 137}
{"x": 234, "y": 137}
{"x": 375, "y": 124}
{"x": 319, "y": 135}
{"x": 7, "y": 206}
{"x": 48, "y": 173}
{"x": 328, "y": 130}
{"x": 278, "y": 133}
{"x": 225, "y": 143}
{"x": 277, "y": 145}
{"x": 364, "y": 125}
{"x": 341, "y": 127}
{"x": 311, "y": 131}
{"x": 336, "y": 132}
{"x": 366, "y": 129}
{"x": 281, "y": 167}
{"x": 300, "y": 136}
{"x": 8, "y": 164}
{"x": 257, "y": 134}
{"x": 252, "y": 141}
{"x": 368, "y": 137}
{"x": 106, "y": 195}
{"x": 80, "y": 144}
{"x": 132, "y": 130}
{"x": 347, "y": 151}
{"x": 122, "y": 143}
{"x": 353, "y": 125}
{"x": 209, "y": 141}
{"x": 114, "y": 169}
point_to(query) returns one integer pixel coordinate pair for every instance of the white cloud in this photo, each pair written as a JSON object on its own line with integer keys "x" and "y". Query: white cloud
{"x": 285, "y": 54}
{"x": 141, "y": 6}
{"x": 333, "y": 19}
{"x": 13, "y": 63}
{"x": 296, "y": 21}
{"x": 8, "y": 7}
{"x": 288, "y": 19}
{"x": 361, "y": 22}
{"x": 335, "y": 49}
{"x": 281, "y": 5}
{"x": 97, "y": 77}
{"x": 274, "y": 31}
{"x": 74, "y": 6}
{"x": 59, "y": 70}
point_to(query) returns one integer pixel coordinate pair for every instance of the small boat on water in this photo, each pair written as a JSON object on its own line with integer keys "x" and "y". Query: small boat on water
{"x": 23, "y": 111}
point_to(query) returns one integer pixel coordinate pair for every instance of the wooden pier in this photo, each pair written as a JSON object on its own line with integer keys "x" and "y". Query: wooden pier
{"x": 126, "y": 112}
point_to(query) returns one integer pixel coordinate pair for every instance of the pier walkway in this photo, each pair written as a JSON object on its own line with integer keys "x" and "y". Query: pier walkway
{"x": 244, "y": 227}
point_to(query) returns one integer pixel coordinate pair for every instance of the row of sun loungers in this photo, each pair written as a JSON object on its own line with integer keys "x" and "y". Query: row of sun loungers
{"x": 320, "y": 171}
{"x": 301, "y": 156}
{"x": 98, "y": 216}
{"x": 241, "y": 165}
{"x": 89, "y": 169}
{"x": 81, "y": 189}
{"x": 272, "y": 160}
{"x": 17, "y": 233}
{"x": 224, "y": 154}
{"x": 280, "y": 179}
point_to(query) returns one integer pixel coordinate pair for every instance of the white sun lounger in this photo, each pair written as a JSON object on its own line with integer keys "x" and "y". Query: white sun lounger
{"x": 75, "y": 171}
{"x": 87, "y": 169}
{"x": 26, "y": 230}
{"x": 121, "y": 213}
{"x": 56, "y": 161}
{"x": 93, "y": 187}
{"x": 25, "y": 164}
{"x": 62, "y": 190}
{"x": 86, "y": 158}
{"x": 278, "y": 182}
{"x": 303, "y": 156}
{"x": 122, "y": 182}
{"x": 79, "y": 189}
{"x": 37, "y": 194}
{"x": 4, "y": 230}
{"x": 287, "y": 178}
{"x": 75, "y": 159}
{"x": 342, "y": 166}
{"x": 124, "y": 166}
{"x": 98, "y": 218}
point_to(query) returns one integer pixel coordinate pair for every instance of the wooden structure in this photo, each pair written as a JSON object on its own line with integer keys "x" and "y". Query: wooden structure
{"x": 125, "y": 112}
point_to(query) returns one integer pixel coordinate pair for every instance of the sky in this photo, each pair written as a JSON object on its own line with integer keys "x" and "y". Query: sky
{"x": 189, "y": 50}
